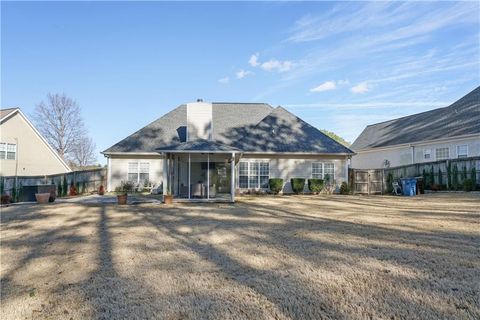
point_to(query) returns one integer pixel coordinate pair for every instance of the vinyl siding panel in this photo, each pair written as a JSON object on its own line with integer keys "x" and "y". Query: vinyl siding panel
{"x": 298, "y": 166}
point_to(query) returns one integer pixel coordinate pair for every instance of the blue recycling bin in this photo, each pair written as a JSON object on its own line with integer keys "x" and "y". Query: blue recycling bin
{"x": 409, "y": 186}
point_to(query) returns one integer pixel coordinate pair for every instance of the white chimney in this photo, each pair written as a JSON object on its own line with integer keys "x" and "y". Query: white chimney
{"x": 199, "y": 120}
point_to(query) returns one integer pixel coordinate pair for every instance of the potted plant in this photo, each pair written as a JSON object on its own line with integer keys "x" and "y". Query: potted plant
{"x": 5, "y": 199}
{"x": 42, "y": 198}
{"x": 101, "y": 190}
{"x": 168, "y": 198}
{"x": 123, "y": 190}
{"x": 73, "y": 190}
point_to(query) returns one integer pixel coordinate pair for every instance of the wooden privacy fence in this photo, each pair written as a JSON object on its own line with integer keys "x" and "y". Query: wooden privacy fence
{"x": 366, "y": 181}
{"x": 449, "y": 174}
{"x": 86, "y": 181}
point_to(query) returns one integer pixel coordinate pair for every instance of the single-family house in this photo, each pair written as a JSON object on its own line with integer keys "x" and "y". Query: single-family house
{"x": 23, "y": 150}
{"x": 439, "y": 134}
{"x": 207, "y": 151}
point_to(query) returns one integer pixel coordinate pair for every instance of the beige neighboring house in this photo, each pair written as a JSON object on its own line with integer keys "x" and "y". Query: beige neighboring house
{"x": 210, "y": 151}
{"x": 23, "y": 150}
{"x": 444, "y": 133}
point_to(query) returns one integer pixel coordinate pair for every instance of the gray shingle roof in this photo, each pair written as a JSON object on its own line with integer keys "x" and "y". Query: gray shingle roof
{"x": 6, "y": 112}
{"x": 252, "y": 127}
{"x": 171, "y": 128}
{"x": 281, "y": 131}
{"x": 199, "y": 145}
{"x": 460, "y": 118}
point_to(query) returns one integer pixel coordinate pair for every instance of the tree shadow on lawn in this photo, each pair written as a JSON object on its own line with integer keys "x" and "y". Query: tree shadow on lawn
{"x": 105, "y": 293}
{"x": 423, "y": 251}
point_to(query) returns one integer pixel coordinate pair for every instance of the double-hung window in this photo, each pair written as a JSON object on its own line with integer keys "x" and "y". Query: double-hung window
{"x": 317, "y": 170}
{"x": 328, "y": 171}
{"x": 427, "y": 154}
{"x": 462, "y": 151}
{"x": 8, "y": 151}
{"x": 253, "y": 174}
{"x": 323, "y": 170}
{"x": 442, "y": 153}
{"x": 138, "y": 172}
{"x": 243, "y": 175}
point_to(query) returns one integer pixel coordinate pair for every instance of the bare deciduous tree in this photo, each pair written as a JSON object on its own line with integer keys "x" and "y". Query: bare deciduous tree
{"x": 83, "y": 153}
{"x": 60, "y": 122}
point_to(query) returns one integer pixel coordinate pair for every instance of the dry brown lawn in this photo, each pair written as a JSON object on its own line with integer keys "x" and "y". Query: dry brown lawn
{"x": 305, "y": 257}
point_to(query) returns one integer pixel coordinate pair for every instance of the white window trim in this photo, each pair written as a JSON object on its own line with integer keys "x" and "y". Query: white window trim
{"x": 429, "y": 153}
{"x": 6, "y": 145}
{"x": 448, "y": 157}
{"x": 323, "y": 169}
{"x": 138, "y": 162}
{"x": 249, "y": 162}
{"x": 462, "y": 145}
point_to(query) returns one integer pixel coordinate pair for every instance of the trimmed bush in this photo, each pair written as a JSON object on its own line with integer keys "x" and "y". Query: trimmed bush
{"x": 298, "y": 184}
{"x": 315, "y": 185}
{"x": 449, "y": 175}
{"x": 455, "y": 182}
{"x": 344, "y": 188}
{"x": 468, "y": 185}
{"x": 390, "y": 182}
{"x": 440, "y": 177}
{"x": 473, "y": 176}
{"x": 59, "y": 188}
{"x": 64, "y": 186}
{"x": 275, "y": 184}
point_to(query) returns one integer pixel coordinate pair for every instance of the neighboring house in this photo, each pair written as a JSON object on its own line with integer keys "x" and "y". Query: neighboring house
{"x": 209, "y": 150}
{"x": 444, "y": 133}
{"x": 23, "y": 150}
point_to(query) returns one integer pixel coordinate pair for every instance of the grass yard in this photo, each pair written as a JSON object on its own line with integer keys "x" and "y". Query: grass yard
{"x": 305, "y": 257}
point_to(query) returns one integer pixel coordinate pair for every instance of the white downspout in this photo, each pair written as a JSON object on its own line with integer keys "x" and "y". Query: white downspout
{"x": 165, "y": 175}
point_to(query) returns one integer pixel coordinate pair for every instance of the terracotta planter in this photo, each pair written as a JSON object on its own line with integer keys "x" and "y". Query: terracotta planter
{"x": 101, "y": 190}
{"x": 5, "y": 199}
{"x": 122, "y": 199}
{"x": 42, "y": 198}
{"x": 168, "y": 199}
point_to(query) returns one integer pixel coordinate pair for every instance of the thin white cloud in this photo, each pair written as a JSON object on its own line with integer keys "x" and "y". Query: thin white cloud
{"x": 253, "y": 61}
{"x": 326, "y": 86}
{"x": 270, "y": 65}
{"x": 277, "y": 65}
{"x": 370, "y": 105}
{"x": 361, "y": 87}
{"x": 224, "y": 80}
{"x": 243, "y": 73}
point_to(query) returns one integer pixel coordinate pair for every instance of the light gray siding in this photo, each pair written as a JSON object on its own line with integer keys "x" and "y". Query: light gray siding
{"x": 398, "y": 156}
{"x": 298, "y": 166}
{"x": 118, "y": 167}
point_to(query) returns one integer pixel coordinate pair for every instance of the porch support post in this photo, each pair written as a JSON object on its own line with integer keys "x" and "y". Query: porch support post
{"x": 109, "y": 174}
{"x": 347, "y": 165}
{"x": 208, "y": 176}
{"x": 189, "y": 174}
{"x": 232, "y": 178}
{"x": 165, "y": 174}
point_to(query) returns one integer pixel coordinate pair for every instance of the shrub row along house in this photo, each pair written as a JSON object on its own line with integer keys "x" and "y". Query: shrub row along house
{"x": 439, "y": 134}
{"x": 207, "y": 151}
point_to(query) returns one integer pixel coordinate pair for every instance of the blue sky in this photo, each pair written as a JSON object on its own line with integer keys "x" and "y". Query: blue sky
{"x": 338, "y": 65}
